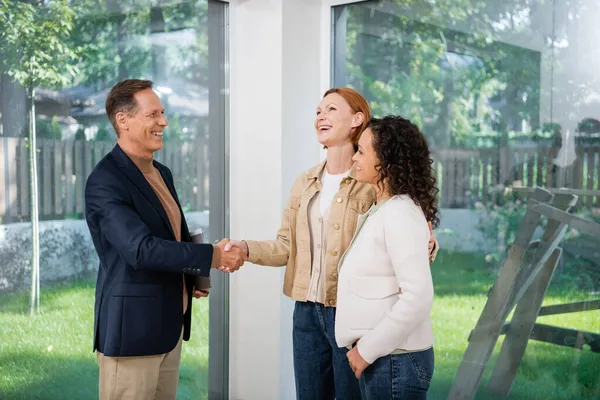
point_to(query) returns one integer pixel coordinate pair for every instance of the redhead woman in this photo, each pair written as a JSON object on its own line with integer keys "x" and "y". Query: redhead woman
{"x": 319, "y": 220}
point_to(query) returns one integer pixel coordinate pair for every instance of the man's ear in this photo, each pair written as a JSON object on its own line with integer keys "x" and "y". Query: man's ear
{"x": 122, "y": 121}
{"x": 358, "y": 119}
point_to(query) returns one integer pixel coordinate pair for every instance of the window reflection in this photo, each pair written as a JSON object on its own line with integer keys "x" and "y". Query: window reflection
{"x": 509, "y": 100}
{"x": 48, "y": 355}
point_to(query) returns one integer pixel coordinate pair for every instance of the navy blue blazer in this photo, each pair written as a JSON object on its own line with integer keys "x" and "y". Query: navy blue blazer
{"x": 139, "y": 292}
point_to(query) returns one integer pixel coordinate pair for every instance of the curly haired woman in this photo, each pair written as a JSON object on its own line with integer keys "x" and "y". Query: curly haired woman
{"x": 385, "y": 290}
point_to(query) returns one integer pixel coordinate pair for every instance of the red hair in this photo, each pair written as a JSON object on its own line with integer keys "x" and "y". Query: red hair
{"x": 357, "y": 103}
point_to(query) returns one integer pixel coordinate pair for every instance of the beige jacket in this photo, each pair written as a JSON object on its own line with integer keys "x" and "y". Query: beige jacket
{"x": 292, "y": 245}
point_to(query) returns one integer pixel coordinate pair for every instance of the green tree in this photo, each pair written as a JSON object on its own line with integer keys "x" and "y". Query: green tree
{"x": 464, "y": 89}
{"x": 123, "y": 40}
{"x": 36, "y": 54}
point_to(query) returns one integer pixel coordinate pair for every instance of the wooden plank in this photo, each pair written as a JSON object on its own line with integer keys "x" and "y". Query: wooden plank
{"x": 475, "y": 177}
{"x": 438, "y": 176}
{"x": 199, "y": 174}
{"x": 445, "y": 182}
{"x": 185, "y": 173}
{"x": 577, "y": 192}
{"x": 448, "y": 153}
{"x": 453, "y": 182}
{"x": 579, "y": 306}
{"x": 98, "y": 153}
{"x": 573, "y": 221}
{"x": 540, "y": 157}
{"x": 590, "y": 154}
{"x": 24, "y": 179}
{"x": 552, "y": 236}
{"x": 566, "y": 337}
{"x": 87, "y": 158}
{"x": 107, "y": 146}
{"x": 530, "y": 167}
{"x": 495, "y": 162}
{"x": 496, "y": 309}
{"x": 579, "y": 182}
{"x": 45, "y": 167}
{"x": 550, "y": 173}
{"x": 485, "y": 188}
{"x": 4, "y": 189}
{"x": 79, "y": 175}
{"x": 519, "y": 169}
{"x": 69, "y": 194}
{"x": 506, "y": 164}
{"x": 58, "y": 179}
{"x": 577, "y": 179}
{"x": 520, "y": 329}
{"x": 461, "y": 183}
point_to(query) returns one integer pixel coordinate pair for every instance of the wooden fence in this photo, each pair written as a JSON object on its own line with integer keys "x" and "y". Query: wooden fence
{"x": 63, "y": 167}
{"x": 464, "y": 176}
{"x": 468, "y": 176}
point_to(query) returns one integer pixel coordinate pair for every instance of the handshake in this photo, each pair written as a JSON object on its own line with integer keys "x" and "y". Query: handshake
{"x": 231, "y": 254}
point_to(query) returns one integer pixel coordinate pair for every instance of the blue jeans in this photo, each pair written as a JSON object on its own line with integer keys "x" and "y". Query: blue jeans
{"x": 398, "y": 377}
{"x": 321, "y": 368}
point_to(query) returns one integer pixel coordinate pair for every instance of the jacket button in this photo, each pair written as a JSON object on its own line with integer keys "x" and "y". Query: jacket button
{"x": 339, "y": 199}
{"x": 331, "y": 302}
{"x": 333, "y": 253}
{"x": 336, "y": 227}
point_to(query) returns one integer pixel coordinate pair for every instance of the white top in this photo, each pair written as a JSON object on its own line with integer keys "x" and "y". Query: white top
{"x": 317, "y": 223}
{"x": 331, "y": 185}
{"x": 385, "y": 290}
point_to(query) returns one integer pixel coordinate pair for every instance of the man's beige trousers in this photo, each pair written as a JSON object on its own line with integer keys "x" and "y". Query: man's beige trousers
{"x": 140, "y": 378}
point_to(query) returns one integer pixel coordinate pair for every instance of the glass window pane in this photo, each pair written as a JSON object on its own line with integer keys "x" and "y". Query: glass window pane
{"x": 77, "y": 52}
{"x": 508, "y": 95}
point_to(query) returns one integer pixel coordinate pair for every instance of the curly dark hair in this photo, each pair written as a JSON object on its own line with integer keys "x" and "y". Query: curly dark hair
{"x": 405, "y": 163}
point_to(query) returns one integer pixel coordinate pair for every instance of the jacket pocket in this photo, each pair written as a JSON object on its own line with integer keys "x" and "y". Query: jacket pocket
{"x": 294, "y": 206}
{"x": 295, "y": 203}
{"x": 360, "y": 206}
{"x": 371, "y": 299}
{"x": 356, "y": 207}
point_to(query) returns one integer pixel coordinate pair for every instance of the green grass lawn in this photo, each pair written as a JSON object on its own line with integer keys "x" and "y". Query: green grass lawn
{"x": 49, "y": 356}
{"x": 546, "y": 371}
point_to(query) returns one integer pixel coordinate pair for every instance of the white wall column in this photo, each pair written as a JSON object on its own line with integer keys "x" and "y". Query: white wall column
{"x": 276, "y": 79}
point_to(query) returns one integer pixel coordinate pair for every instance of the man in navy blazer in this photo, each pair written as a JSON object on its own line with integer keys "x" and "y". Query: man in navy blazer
{"x": 147, "y": 261}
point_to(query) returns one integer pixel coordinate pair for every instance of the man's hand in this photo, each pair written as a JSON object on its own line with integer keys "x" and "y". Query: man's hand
{"x": 238, "y": 244}
{"x": 357, "y": 363}
{"x": 199, "y": 293}
{"x": 231, "y": 259}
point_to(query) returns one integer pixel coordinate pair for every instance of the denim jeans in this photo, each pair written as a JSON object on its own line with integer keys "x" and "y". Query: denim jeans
{"x": 321, "y": 368}
{"x": 398, "y": 377}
